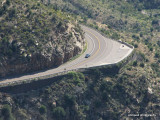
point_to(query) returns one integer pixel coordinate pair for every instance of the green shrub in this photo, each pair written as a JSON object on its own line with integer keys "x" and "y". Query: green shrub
{"x": 154, "y": 22}
{"x": 77, "y": 77}
{"x": 151, "y": 29}
{"x": 8, "y": 2}
{"x": 151, "y": 48}
{"x": 135, "y": 37}
{"x": 135, "y": 63}
{"x": 12, "y": 13}
{"x": 141, "y": 64}
{"x": 42, "y": 109}
{"x": 157, "y": 55}
{"x": 136, "y": 45}
{"x": 69, "y": 100}
{"x": 7, "y": 112}
{"x": 158, "y": 43}
{"x": 81, "y": 76}
{"x": 141, "y": 34}
{"x": 155, "y": 67}
{"x": 115, "y": 36}
{"x": 59, "y": 112}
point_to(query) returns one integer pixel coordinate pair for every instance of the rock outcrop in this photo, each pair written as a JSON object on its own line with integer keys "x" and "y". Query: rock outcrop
{"x": 55, "y": 56}
{"x": 36, "y": 39}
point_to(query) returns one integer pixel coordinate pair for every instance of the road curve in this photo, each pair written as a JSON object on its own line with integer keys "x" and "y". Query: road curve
{"x": 103, "y": 51}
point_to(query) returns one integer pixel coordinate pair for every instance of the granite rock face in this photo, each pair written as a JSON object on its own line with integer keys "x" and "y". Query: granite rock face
{"x": 36, "y": 37}
{"x": 59, "y": 48}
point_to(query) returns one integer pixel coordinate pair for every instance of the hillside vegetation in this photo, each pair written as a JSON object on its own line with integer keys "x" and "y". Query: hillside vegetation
{"x": 93, "y": 96}
{"x": 147, "y": 4}
{"x": 34, "y": 36}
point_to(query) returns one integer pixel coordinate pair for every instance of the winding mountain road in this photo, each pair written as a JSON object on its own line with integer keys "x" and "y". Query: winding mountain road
{"x": 102, "y": 51}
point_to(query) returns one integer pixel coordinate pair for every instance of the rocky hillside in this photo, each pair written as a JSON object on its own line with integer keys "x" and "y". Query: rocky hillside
{"x": 93, "y": 96}
{"x": 34, "y": 36}
{"x": 128, "y": 16}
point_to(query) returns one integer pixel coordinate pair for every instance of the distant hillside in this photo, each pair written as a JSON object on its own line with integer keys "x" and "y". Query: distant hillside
{"x": 34, "y": 36}
{"x": 117, "y": 14}
{"x": 147, "y": 4}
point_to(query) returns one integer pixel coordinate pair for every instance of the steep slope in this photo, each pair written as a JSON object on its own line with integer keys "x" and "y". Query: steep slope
{"x": 34, "y": 36}
{"x": 94, "y": 96}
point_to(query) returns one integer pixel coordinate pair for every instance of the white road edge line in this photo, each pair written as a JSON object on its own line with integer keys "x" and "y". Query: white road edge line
{"x": 92, "y": 42}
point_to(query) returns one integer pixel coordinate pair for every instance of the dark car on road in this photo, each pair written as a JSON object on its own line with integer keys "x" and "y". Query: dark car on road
{"x": 87, "y": 56}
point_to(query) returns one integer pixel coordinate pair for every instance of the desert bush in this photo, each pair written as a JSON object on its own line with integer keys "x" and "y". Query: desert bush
{"x": 134, "y": 63}
{"x": 42, "y": 109}
{"x": 7, "y": 112}
{"x": 141, "y": 64}
{"x": 59, "y": 113}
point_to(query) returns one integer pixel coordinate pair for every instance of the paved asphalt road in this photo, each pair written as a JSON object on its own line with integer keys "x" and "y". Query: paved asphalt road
{"x": 103, "y": 51}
